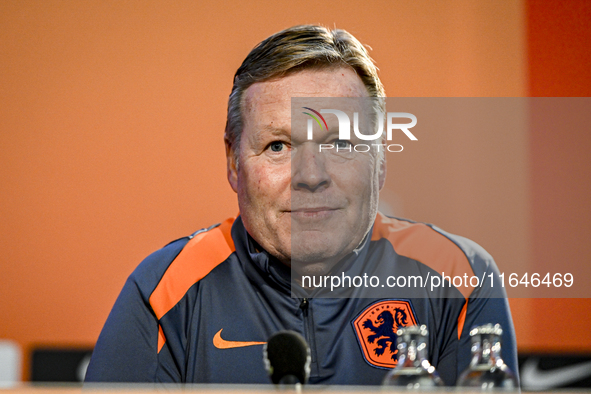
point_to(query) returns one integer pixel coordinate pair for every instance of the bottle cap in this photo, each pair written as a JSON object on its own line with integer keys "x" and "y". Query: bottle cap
{"x": 413, "y": 330}
{"x": 487, "y": 329}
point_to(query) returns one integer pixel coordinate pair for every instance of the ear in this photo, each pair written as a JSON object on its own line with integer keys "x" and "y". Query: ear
{"x": 382, "y": 169}
{"x": 232, "y": 168}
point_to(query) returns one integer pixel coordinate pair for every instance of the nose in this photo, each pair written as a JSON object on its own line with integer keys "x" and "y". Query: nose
{"x": 308, "y": 169}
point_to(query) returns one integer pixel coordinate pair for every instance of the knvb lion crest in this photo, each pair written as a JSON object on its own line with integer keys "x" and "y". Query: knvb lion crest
{"x": 376, "y": 328}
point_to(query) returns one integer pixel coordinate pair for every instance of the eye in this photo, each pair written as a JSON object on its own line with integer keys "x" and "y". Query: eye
{"x": 277, "y": 146}
{"x": 342, "y": 144}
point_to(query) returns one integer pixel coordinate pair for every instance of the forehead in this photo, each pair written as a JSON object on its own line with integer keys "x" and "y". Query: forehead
{"x": 271, "y": 100}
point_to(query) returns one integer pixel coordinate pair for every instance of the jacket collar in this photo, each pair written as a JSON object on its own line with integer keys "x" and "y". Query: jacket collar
{"x": 264, "y": 269}
{"x": 258, "y": 264}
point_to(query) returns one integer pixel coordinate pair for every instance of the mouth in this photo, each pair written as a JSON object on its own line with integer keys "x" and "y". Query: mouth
{"x": 314, "y": 212}
{"x": 313, "y": 209}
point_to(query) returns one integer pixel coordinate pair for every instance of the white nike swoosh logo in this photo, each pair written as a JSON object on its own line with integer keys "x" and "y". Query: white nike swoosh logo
{"x": 533, "y": 378}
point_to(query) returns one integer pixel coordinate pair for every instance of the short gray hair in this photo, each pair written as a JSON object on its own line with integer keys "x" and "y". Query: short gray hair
{"x": 291, "y": 50}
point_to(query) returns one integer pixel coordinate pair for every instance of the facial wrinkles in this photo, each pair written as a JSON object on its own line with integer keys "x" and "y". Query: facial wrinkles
{"x": 266, "y": 191}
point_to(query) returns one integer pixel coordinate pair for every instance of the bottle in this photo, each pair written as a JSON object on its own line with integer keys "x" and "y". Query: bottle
{"x": 487, "y": 371}
{"x": 413, "y": 371}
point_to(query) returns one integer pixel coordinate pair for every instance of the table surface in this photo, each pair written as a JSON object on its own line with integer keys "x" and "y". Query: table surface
{"x": 52, "y": 388}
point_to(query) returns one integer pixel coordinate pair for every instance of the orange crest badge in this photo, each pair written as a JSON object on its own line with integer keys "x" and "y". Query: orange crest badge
{"x": 376, "y": 328}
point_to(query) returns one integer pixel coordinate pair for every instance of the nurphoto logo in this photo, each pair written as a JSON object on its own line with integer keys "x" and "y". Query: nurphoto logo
{"x": 345, "y": 130}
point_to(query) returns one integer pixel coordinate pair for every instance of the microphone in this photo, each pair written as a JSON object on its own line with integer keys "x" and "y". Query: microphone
{"x": 287, "y": 358}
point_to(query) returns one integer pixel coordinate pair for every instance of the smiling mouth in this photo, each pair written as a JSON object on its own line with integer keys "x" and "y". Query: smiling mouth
{"x": 313, "y": 212}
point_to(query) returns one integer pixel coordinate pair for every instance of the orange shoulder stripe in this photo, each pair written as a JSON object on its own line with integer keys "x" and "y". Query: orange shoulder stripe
{"x": 199, "y": 256}
{"x": 420, "y": 242}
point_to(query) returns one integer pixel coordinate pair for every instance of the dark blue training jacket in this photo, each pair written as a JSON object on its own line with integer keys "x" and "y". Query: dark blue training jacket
{"x": 199, "y": 310}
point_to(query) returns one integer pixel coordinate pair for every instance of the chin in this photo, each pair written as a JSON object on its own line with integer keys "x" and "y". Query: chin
{"x": 314, "y": 262}
{"x": 311, "y": 269}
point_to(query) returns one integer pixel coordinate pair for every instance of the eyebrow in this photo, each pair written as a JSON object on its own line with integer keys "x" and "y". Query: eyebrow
{"x": 274, "y": 131}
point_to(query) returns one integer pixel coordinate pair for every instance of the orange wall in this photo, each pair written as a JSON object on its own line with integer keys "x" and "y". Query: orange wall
{"x": 559, "y": 52}
{"x": 111, "y": 124}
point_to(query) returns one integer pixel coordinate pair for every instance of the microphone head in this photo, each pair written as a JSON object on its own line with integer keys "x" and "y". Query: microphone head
{"x": 287, "y": 358}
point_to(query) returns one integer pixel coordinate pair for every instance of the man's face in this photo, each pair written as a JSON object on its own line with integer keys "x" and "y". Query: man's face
{"x": 307, "y": 208}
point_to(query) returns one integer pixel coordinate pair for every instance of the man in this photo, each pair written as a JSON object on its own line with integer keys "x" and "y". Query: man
{"x": 200, "y": 309}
